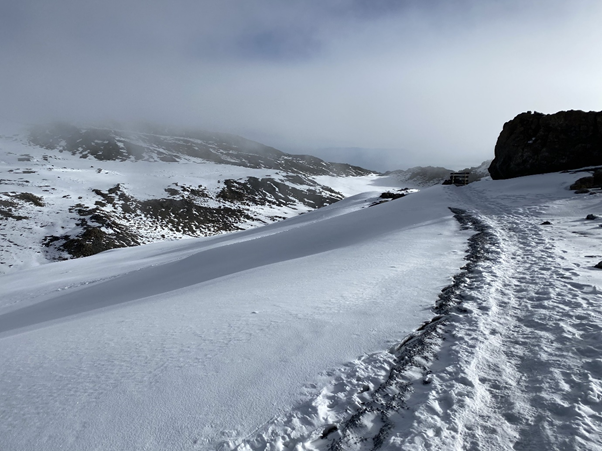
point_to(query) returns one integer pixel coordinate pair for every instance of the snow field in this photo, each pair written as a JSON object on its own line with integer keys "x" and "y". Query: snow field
{"x": 518, "y": 363}
{"x": 197, "y": 344}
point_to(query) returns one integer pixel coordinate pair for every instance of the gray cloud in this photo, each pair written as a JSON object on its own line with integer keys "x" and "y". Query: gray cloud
{"x": 436, "y": 78}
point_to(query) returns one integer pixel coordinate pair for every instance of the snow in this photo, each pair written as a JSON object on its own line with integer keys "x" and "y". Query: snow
{"x": 523, "y": 370}
{"x": 158, "y": 346}
{"x": 351, "y": 186}
{"x": 63, "y": 180}
{"x": 275, "y": 337}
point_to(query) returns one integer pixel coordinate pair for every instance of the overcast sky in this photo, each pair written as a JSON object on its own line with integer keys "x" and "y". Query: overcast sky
{"x": 435, "y": 80}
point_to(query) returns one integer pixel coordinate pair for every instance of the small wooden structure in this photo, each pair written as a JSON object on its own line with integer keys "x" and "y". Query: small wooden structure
{"x": 459, "y": 178}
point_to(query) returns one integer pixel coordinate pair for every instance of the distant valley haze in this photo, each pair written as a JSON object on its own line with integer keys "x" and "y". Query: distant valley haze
{"x": 383, "y": 84}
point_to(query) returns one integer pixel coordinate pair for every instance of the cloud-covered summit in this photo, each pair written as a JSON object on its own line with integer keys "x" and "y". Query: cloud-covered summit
{"x": 438, "y": 78}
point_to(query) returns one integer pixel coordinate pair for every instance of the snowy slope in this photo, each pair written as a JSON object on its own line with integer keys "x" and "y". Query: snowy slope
{"x": 304, "y": 334}
{"x": 511, "y": 361}
{"x": 524, "y": 370}
{"x": 185, "y": 345}
{"x": 69, "y": 192}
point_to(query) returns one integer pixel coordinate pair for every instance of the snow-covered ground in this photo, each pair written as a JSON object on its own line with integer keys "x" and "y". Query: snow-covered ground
{"x": 56, "y": 185}
{"x": 291, "y": 336}
{"x": 523, "y": 369}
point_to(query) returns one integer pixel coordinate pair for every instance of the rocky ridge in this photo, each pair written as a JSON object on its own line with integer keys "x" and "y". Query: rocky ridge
{"x": 536, "y": 143}
{"x": 153, "y": 143}
{"x": 69, "y": 192}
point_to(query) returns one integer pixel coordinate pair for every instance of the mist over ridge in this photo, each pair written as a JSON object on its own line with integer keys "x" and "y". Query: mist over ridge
{"x": 436, "y": 79}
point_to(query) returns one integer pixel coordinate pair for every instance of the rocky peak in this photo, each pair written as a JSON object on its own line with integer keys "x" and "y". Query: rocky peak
{"x": 536, "y": 143}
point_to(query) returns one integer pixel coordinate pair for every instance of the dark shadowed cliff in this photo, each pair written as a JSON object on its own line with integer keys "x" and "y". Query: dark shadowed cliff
{"x": 536, "y": 143}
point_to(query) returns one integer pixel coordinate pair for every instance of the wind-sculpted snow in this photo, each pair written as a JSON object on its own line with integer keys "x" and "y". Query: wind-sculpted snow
{"x": 208, "y": 265}
{"x": 366, "y": 402}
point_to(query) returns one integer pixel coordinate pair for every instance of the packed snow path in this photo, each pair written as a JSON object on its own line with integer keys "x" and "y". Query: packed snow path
{"x": 523, "y": 369}
{"x": 512, "y": 361}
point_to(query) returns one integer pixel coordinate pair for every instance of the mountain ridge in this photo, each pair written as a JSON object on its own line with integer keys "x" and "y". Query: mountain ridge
{"x": 70, "y": 191}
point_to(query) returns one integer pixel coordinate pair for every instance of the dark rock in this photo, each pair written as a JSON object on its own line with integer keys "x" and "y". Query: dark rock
{"x": 172, "y": 191}
{"x": 329, "y": 430}
{"x": 9, "y": 214}
{"x": 536, "y": 143}
{"x": 546, "y": 223}
{"x": 591, "y": 217}
{"x": 31, "y": 198}
{"x": 268, "y": 191}
{"x": 102, "y": 230}
{"x": 390, "y": 195}
{"x": 92, "y": 241}
{"x": 583, "y": 184}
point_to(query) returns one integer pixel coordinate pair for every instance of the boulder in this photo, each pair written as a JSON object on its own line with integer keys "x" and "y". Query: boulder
{"x": 536, "y": 143}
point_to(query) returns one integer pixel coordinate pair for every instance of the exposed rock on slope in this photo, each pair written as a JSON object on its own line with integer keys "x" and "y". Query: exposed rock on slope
{"x": 169, "y": 145}
{"x": 536, "y": 143}
{"x": 73, "y": 192}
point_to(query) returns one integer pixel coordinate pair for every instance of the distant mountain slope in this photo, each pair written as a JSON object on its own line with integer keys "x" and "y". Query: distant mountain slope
{"x": 423, "y": 176}
{"x": 67, "y": 191}
{"x": 170, "y": 145}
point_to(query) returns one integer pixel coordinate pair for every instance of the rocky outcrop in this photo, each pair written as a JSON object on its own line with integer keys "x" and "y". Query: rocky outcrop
{"x": 536, "y": 143}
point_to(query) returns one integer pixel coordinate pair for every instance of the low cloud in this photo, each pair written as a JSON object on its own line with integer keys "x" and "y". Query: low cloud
{"x": 437, "y": 79}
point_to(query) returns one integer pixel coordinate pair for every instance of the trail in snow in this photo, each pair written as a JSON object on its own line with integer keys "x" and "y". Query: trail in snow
{"x": 523, "y": 369}
{"x": 363, "y": 404}
{"x": 211, "y": 350}
{"x": 511, "y": 361}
